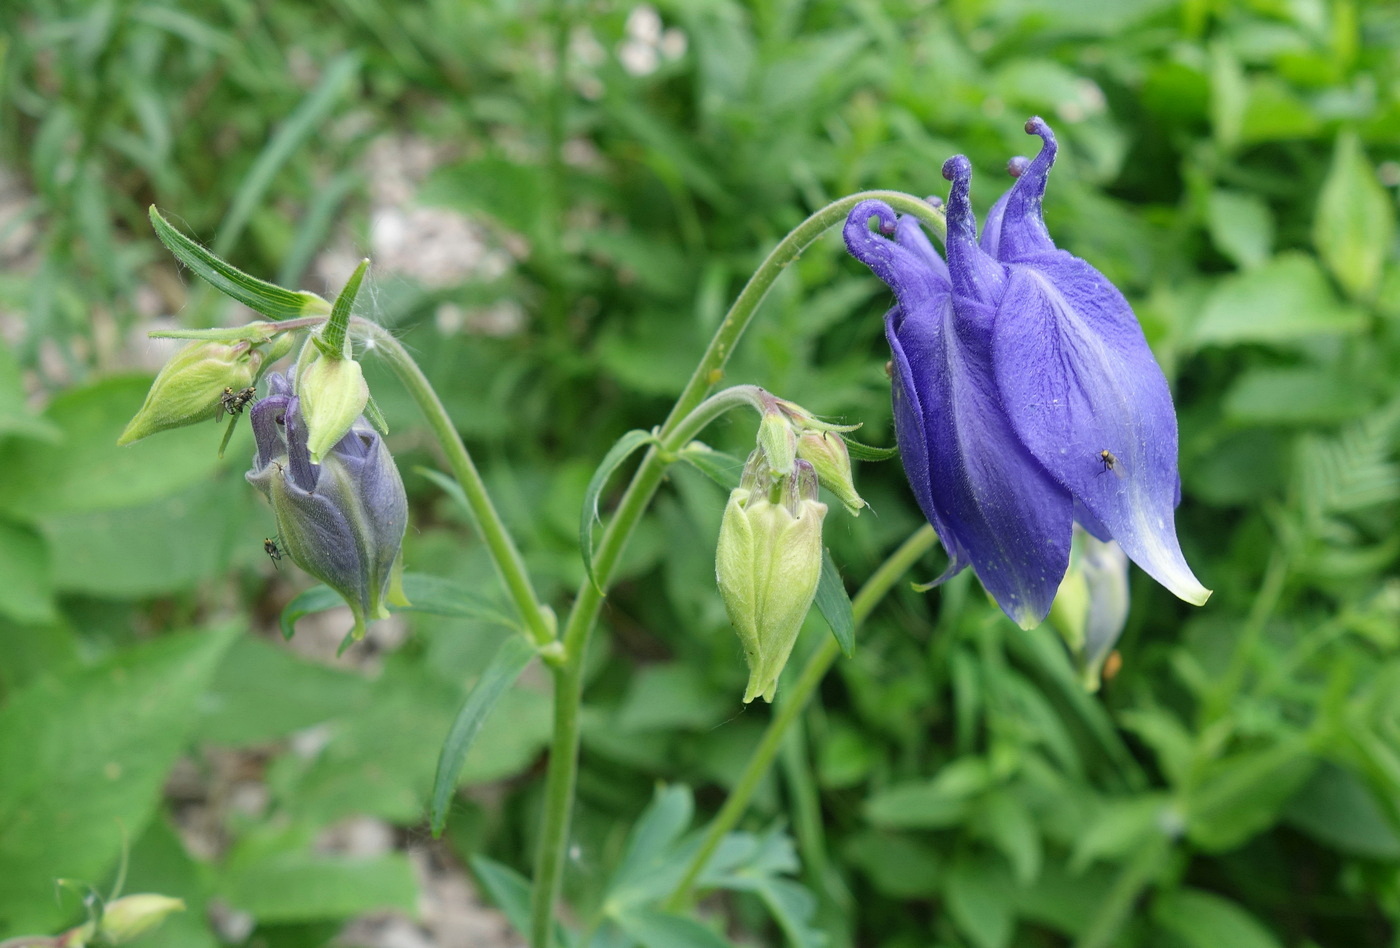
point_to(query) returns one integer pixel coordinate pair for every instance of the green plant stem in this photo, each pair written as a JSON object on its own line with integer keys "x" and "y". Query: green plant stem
{"x": 568, "y": 673}
{"x": 790, "y": 704}
{"x": 510, "y": 565}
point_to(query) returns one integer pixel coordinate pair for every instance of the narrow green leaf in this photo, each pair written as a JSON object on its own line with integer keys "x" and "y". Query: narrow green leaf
{"x": 654, "y": 929}
{"x": 333, "y": 334}
{"x": 507, "y": 664}
{"x": 650, "y": 854}
{"x": 1355, "y": 223}
{"x": 869, "y": 452}
{"x": 272, "y": 301}
{"x": 724, "y": 469}
{"x": 511, "y": 893}
{"x": 1205, "y": 920}
{"x": 618, "y": 453}
{"x": 835, "y": 605}
{"x": 315, "y": 599}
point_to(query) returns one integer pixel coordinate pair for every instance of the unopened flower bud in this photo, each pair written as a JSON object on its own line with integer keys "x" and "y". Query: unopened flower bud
{"x": 341, "y": 520}
{"x": 826, "y": 452}
{"x": 768, "y": 564}
{"x": 1091, "y": 606}
{"x": 133, "y": 915}
{"x": 333, "y": 395}
{"x": 778, "y": 440}
{"x": 191, "y": 387}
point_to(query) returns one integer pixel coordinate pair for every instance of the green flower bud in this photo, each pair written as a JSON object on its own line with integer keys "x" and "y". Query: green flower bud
{"x": 191, "y": 387}
{"x": 333, "y": 395}
{"x": 1091, "y": 605}
{"x": 768, "y": 563}
{"x": 133, "y": 915}
{"x": 778, "y": 440}
{"x": 826, "y": 452}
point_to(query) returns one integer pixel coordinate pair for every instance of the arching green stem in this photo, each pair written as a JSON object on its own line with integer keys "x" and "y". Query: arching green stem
{"x": 568, "y": 681}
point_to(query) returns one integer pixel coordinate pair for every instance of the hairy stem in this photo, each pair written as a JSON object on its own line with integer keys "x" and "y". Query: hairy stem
{"x": 509, "y": 564}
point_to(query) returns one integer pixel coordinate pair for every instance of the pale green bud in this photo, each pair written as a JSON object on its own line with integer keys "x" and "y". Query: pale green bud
{"x": 193, "y": 386}
{"x": 768, "y": 563}
{"x": 778, "y": 440}
{"x": 333, "y": 395}
{"x": 1091, "y": 606}
{"x": 131, "y": 916}
{"x": 826, "y": 452}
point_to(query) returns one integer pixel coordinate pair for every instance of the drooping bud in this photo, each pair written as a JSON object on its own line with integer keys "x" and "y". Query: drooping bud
{"x": 826, "y": 452}
{"x": 333, "y": 395}
{"x": 768, "y": 564}
{"x": 193, "y": 386}
{"x": 778, "y": 441}
{"x": 1091, "y": 606}
{"x": 341, "y": 520}
{"x": 133, "y": 915}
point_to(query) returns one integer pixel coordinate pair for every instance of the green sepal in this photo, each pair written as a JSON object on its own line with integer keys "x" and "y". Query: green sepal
{"x": 274, "y": 302}
{"x": 333, "y": 335}
{"x": 869, "y": 452}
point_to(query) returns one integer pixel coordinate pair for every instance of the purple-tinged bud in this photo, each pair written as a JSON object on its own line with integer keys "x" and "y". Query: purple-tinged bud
{"x": 193, "y": 385}
{"x": 1091, "y": 606}
{"x": 768, "y": 564}
{"x": 342, "y": 520}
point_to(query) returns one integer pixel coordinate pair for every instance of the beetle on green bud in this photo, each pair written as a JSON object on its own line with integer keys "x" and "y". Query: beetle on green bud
{"x": 768, "y": 563}
{"x": 190, "y": 388}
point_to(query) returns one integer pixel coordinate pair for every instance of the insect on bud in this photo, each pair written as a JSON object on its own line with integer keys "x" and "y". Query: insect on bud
{"x": 194, "y": 386}
{"x": 341, "y": 520}
{"x": 826, "y": 452}
{"x": 768, "y": 563}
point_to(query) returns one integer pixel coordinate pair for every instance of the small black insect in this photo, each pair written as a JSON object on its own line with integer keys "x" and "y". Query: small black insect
{"x": 273, "y": 551}
{"x": 1109, "y": 462}
{"x": 234, "y": 402}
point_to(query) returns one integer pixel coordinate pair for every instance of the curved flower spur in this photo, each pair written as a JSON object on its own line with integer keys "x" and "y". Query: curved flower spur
{"x": 1025, "y": 395}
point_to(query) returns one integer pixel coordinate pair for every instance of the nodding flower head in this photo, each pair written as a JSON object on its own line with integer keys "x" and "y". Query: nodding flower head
{"x": 768, "y": 564}
{"x": 1025, "y": 395}
{"x": 342, "y": 520}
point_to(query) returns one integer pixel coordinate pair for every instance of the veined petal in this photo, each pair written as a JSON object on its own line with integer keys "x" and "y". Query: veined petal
{"x": 1078, "y": 379}
{"x": 913, "y": 447}
{"x": 993, "y": 504}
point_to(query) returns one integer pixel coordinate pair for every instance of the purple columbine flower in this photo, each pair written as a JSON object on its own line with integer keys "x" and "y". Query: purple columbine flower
{"x": 1025, "y": 395}
{"x": 342, "y": 520}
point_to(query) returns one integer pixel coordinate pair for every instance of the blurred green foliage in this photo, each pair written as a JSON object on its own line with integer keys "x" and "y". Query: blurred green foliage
{"x": 1231, "y": 165}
